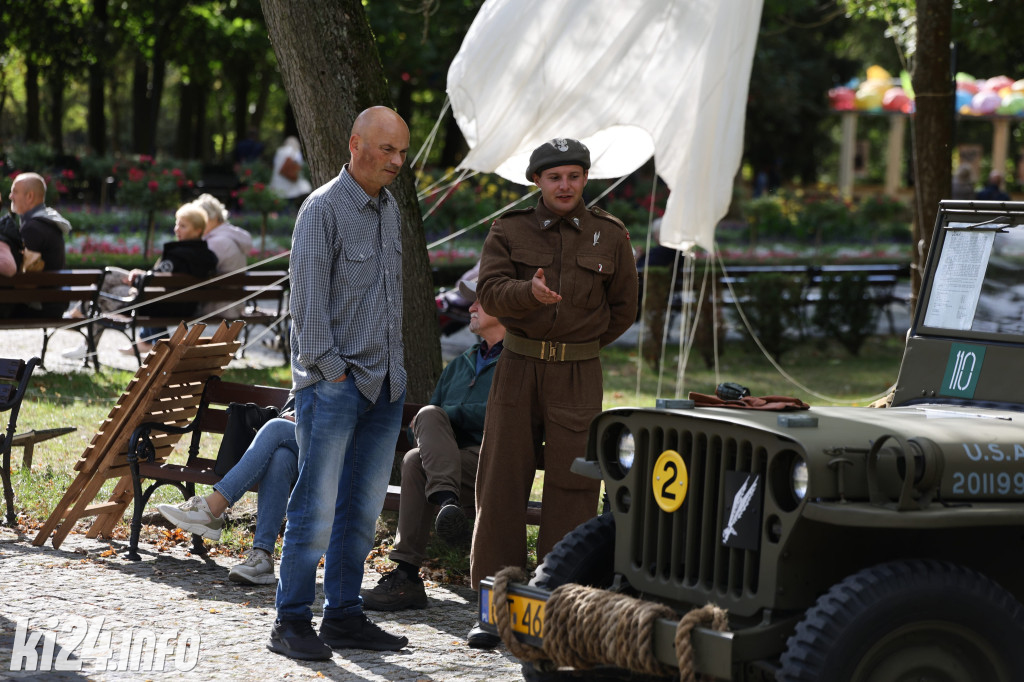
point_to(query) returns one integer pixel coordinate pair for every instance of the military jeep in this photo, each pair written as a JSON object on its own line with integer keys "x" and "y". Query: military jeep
{"x": 846, "y": 543}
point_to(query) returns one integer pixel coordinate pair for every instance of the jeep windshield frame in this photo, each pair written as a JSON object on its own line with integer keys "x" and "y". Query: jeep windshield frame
{"x": 974, "y": 284}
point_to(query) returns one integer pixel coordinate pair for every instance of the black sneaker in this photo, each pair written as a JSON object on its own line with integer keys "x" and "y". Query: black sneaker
{"x": 451, "y": 525}
{"x": 478, "y": 638}
{"x": 395, "y": 591}
{"x": 297, "y": 639}
{"x": 358, "y": 632}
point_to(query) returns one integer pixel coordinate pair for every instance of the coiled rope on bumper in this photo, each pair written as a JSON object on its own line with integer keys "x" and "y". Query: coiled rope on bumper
{"x": 585, "y": 627}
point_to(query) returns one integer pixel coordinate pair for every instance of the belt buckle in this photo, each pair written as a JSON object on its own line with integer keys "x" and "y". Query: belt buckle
{"x": 552, "y": 354}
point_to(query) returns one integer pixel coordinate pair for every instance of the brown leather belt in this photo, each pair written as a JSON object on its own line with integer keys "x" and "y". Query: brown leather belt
{"x": 551, "y": 351}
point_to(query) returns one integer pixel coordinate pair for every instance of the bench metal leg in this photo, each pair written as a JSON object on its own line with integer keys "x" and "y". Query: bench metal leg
{"x": 139, "y": 505}
{"x": 5, "y": 474}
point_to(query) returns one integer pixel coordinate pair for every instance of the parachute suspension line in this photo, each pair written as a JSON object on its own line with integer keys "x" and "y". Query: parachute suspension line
{"x": 643, "y": 297}
{"x": 424, "y": 150}
{"x": 684, "y": 352}
{"x": 483, "y": 220}
{"x": 451, "y": 188}
{"x": 785, "y": 375}
{"x": 714, "y": 314}
{"x": 668, "y": 316}
{"x": 422, "y": 194}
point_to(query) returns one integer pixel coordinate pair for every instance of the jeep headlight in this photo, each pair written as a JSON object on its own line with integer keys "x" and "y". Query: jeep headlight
{"x": 798, "y": 478}
{"x": 627, "y": 450}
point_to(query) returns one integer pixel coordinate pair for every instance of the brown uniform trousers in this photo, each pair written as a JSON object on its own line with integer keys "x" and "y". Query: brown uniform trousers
{"x": 436, "y": 465}
{"x": 539, "y": 412}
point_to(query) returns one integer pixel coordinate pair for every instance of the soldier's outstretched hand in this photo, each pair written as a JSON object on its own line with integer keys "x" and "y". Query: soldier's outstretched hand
{"x": 540, "y": 289}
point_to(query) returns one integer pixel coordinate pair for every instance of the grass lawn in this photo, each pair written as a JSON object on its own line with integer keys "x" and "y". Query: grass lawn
{"x": 84, "y": 399}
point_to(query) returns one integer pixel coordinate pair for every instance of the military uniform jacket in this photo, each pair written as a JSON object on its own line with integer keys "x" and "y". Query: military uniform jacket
{"x": 587, "y": 259}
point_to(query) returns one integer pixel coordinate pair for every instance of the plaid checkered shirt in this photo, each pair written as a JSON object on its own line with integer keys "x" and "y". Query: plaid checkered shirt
{"x": 346, "y": 289}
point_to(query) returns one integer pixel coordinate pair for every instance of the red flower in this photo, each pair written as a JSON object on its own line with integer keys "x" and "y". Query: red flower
{"x": 153, "y": 185}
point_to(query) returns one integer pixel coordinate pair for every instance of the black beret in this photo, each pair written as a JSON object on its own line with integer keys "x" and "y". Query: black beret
{"x": 560, "y": 151}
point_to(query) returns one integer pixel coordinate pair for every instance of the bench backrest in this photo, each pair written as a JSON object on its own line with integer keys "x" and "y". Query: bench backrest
{"x": 51, "y": 286}
{"x": 271, "y": 284}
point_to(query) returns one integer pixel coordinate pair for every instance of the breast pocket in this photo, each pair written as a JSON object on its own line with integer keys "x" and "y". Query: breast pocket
{"x": 359, "y": 265}
{"x": 593, "y": 272}
{"x": 528, "y": 260}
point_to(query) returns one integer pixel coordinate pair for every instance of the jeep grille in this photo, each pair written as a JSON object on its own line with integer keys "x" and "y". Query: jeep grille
{"x": 670, "y": 553}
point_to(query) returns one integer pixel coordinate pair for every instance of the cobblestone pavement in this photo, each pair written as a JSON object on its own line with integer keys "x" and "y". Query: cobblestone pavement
{"x": 171, "y": 593}
{"x": 174, "y": 593}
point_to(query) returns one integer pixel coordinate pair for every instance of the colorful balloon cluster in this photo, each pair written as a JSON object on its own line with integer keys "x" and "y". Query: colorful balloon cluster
{"x": 1000, "y": 95}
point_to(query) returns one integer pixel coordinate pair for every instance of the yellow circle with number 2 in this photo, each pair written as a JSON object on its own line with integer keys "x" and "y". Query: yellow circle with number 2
{"x": 669, "y": 481}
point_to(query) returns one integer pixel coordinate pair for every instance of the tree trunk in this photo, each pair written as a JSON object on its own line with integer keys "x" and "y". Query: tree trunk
{"x": 240, "y": 91}
{"x": 328, "y": 87}
{"x": 96, "y": 118}
{"x": 933, "y": 125}
{"x": 56, "y": 114}
{"x": 33, "y": 127}
{"x": 141, "y": 142}
{"x": 455, "y": 147}
{"x": 184, "y": 143}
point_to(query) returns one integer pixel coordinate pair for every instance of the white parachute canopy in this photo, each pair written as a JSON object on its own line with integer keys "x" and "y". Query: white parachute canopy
{"x": 630, "y": 78}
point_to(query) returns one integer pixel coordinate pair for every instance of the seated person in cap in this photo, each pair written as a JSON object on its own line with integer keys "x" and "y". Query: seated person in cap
{"x": 441, "y": 471}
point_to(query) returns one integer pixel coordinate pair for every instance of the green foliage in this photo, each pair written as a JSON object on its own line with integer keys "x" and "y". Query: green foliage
{"x": 845, "y": 311}
{"x": 883, "y": 218}
{"x": 35, "y": 157}
{"x": 768, "y": 219}
{"x": 773, "y": 304}
{"x": 147, "y": 185}
{"x": 826, "y": 219}
{"x": 448, "y": 207}
{"x": 258, "y": 197}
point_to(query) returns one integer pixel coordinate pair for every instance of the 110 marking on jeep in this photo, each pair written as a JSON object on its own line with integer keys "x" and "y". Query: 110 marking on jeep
{"x": 846, "y": 544}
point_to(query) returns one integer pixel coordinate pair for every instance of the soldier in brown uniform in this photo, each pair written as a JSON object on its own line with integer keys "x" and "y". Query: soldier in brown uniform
{"x": 562, "y": 279}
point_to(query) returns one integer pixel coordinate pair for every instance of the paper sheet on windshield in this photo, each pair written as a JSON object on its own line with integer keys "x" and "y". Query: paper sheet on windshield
{"x": 958, "y": 278}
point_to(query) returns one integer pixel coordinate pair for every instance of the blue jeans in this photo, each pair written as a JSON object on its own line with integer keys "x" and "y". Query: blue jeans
{"x": 346, "y": 449}
{"x": 272, "y": 461}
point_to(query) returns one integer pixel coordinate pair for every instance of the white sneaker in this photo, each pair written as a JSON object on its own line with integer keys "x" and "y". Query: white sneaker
{"x": 77, "y": 353}
{"x": 194, "y": 516}
{"x": 257, "y": 569}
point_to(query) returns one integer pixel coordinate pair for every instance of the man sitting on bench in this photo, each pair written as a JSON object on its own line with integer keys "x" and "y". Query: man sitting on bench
{"x": 441, "y": 471}
{"x": 272, "y": 461}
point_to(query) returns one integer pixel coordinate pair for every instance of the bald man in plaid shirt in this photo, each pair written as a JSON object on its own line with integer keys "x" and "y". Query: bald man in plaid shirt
{"x": 349, "y": 384}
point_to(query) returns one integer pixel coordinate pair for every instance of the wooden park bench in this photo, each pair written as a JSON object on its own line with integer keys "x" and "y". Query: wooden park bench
{"x": 265, "y": 293}
{"x": 65, "y": 287}
{"x": 167, "y": 388}
{"x": 210, "y": 418}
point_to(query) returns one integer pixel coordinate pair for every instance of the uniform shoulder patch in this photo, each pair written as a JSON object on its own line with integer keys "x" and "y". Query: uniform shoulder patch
{"x": 601, "y": 213}
{"x": 517, "y": 211}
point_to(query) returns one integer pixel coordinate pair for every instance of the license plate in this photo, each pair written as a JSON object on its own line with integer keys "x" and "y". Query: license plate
{"x": 526, "y": 614}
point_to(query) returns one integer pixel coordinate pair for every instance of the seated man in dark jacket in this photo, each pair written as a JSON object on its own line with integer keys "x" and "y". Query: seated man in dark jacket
{"x": 440, "y": 472}
{"x": 42, "y": 231}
